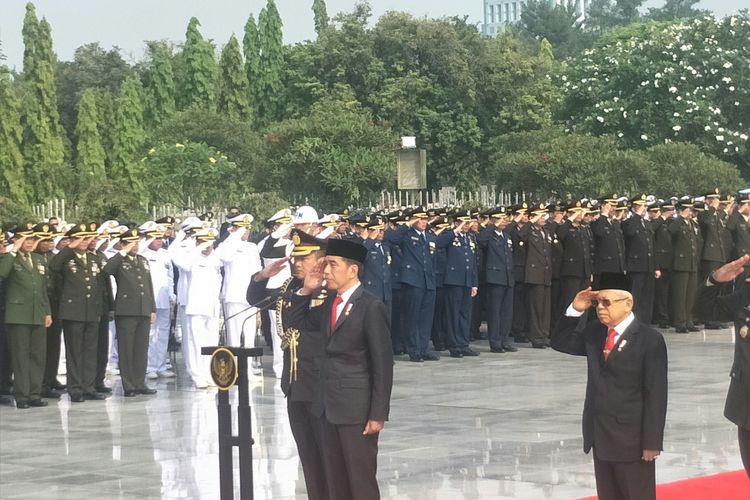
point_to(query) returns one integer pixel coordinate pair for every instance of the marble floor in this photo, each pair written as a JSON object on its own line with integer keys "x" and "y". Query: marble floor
{"x": 494, "y": 427}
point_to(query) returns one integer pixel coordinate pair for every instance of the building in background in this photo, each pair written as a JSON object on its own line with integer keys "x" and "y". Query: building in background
{"x": 500, "y": 13}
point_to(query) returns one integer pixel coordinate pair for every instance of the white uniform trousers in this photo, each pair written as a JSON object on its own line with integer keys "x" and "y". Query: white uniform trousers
{"x": 158, "y": 342}
{"x": 235, "y": 325}
{"x": 204, "y": 332}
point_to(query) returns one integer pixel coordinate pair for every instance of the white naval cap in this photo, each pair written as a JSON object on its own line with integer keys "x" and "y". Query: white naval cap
{"x": 306, "y": 215}
{"x": 241, "y": 220}
{"x": 282, "y": 216}
{"x": 192, "y": 222}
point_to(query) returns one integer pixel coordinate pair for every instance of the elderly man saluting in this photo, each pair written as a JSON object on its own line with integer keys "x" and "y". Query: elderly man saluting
{"x": 626, "y": 393}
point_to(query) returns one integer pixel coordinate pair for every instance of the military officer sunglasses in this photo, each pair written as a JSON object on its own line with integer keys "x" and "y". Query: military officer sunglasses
{"x": 606, "y": 303}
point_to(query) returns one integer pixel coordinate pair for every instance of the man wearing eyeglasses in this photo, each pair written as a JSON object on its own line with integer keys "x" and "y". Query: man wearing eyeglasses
{"x": 626, "y": 394}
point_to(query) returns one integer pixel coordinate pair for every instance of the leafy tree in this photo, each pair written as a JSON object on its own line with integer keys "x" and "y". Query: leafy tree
{"x": 91, "y": 67}
{"x": 651, "y": 83}
{"x": 89, "y": 152}
{"x": 604, "y": 15}
{"x": 262, "y": 205}
{"x": 555, "y": 22}
{"x": 336, "y": 156}
{"x": 251, "y": 49}
{"x": 200, "y": 79}
{"x": 320, "y": 14}
{"x": 160, "y": 85}
{"x": 105, "y": 124}
{"x": 30, "y": 35}
{"x": 271, "y": 62}
{"x": 676, "y": 9}
{"x": 191, "y": 172}
{"x": 12, "y": 181}
{"x": 108, "y": 200}
{"x": 234, "y": 90}
{"x": 43, "y": 146}
{"x": 129, "y": 137}
{"x": 233, "y": 138}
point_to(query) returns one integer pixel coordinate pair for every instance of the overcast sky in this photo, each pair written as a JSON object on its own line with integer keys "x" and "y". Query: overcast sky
{"x": 127, "y": 23}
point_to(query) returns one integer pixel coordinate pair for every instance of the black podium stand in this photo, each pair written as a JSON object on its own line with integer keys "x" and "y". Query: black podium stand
{"x": 227, "y": 440}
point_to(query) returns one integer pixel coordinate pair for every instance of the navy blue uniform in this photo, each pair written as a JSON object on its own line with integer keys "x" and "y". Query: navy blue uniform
{"x": 460, "y": 278}
{"x": 439, "y": 330}
{"x": 498, "y": 275}
{"x": 376, "y": 273}
{"x": 417, "y": 286}
{"x": 398, "y": 338}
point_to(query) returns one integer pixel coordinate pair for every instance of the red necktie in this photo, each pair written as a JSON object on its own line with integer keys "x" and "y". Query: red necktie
{"x": 338, "y": 300}
{"x": 610, "y": 343}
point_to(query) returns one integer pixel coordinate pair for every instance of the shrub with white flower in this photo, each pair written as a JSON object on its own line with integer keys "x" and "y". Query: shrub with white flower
{"x": 675, "y": 80}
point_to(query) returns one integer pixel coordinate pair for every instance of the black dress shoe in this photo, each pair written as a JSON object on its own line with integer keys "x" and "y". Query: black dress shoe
{"x": 456, "y": 354}
{"x": 440, "y": 348}
{"x": 129, "y": 394}
{"x": 470, "y": 353}
{"x": 521, "y": 340}
{"x": 58, "y": 386}
{"x": 94, "y": 396}
{"x": 103, "y": 389}
{"x": 693, "y": 329}
{"x": 430, "y": 356}
{"x": 22, "y": 405}
{"x": 146, "y": 391}
{"x": 76, "y": 398}
{"x": 37, "y": 403}
{"x": 498, "y": 350}
{"x": 510, "y": 348}
{"x": 536, "y": 345}
{"x": 51, "y": 394}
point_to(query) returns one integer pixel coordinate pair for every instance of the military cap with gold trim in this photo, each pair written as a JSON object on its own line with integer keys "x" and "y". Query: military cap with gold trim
{"x": 538, "y": 209}
{"x": 207, "y": 234}
{"x": 520, "y": 208}
{"x": 359, "y": 219}
{"x": 43, "y": 231}
{"x": 640, "y": 199}
{"x": 130, "y": 235}
{"x": 713, "y": 194}
{"x": 330, "y": 220}
{"x": 461, "y": 215}
{"x": 684, "y": 202}
{"x": 555, "y": 207}
{"x": 304, "y": 244}
{"x": 167, "y": 219}
{"x": 742, "y": 197}
{"x": 576, "y": 206}
{"x": 343, "y": 214}
{"x": 609, "y": 199}
{"x": 376, "y": 222}
{"x": 699, "y": 205}
{"x": 22, "y": 230}
{"x": 395, "y": 215}
{"x": 81, "y": 231}
{"x": 241, "y": 220}
{"x": 415, "y": 213}
{"x": 497, "y": 212}
{"x": 440, "y": 223}
{"x": 283, "y": 216}
{"x": 151, "y": 229}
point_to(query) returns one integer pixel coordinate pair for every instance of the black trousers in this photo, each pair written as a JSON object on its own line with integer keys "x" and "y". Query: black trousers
{"x": 642, "y": 288}
{"x": 707, "y": 267}
{"x": 457, "y": 307}
{"x": 556, "y": 304}
{"x": 625, "y": 480}
{"x": 519, "y": 329}
{"x": 306, "y": 431}
{"x": 80, "y": 355}
{"x": 102, "y": 351}
{"x": 418, "y": 311}
{"x": 439, "y": 324}
{"x": 132, "y": 349}
{"x": 538, "y": 309}
{"x": 52, "y": 362}
{"x": 682, "y": 297}
{"x": 478, "y": 311}
{"x": 499, "y": 315}
{"x": 662, "y": 312}
{"x": 569, "y": 287}
{"x": 397, "y": 333}
{"x": 743, "y": 436}
{"x": 350, "y": 460}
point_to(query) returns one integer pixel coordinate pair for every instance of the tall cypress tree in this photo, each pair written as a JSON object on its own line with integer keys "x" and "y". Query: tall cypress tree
{"x": 89, "y": 151}
{"x": 200, "y": 65}
{"x": 29, "y": 33}
{"x": 251, "y": 48}
{"x": 234, "y": 96}
{"x": 12, "y": 182}
{"x": 43, "y": 146}
{"x": 161, "y": 89}
{"x": 271, "y": 61}
{"x": 129, "y": 136}
{"x": 320, "y": 14}
{"x": 105, "y": 124}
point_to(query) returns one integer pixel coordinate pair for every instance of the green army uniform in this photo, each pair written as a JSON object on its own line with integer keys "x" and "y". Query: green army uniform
{"x": 134, "y": 305}
{"x": 685, "y": 263}
{"x": 26, "y": 307}
{"x": 82, "y": 299}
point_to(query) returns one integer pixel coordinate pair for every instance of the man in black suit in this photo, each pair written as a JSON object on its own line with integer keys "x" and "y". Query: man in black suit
{"x": 735, "y": 308}
{"x": 356, "y": 374}
{"x": 609, "y": 244}
{"x": 640, "y": 259}
{"x": 626, "y": 393}
{"x": 576, "y": 269}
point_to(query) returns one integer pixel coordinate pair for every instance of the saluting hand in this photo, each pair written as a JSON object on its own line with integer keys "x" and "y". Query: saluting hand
{"x": 314, "y": 278}
{"x": 273, "y": 269}
{"x": 728, "y": 272}
{"x": 582, "y": 300}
